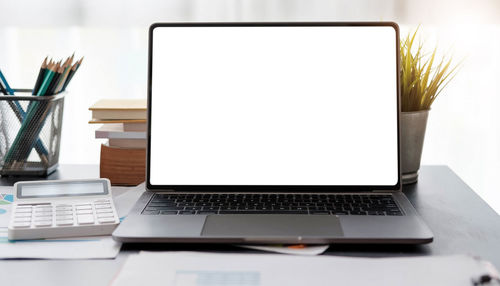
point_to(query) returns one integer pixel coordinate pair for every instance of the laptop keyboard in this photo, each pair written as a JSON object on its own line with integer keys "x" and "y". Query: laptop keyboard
{"x": 306, "y": 204}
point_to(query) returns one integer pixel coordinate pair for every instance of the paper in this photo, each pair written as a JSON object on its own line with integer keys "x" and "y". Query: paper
{"x": 290, "y": 249}
{"x": 70, "y": 248}
{"x": 208, "y": 269}
{"x": 125, "y": 198}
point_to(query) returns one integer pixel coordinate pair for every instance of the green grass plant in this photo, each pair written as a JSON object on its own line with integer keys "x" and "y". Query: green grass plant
{"x": 423, "y": 77}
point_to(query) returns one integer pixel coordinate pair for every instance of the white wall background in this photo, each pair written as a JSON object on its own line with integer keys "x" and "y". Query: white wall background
{"x": 463, "y": 129}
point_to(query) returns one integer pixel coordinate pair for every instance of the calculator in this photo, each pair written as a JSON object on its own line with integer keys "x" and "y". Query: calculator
{"x": 62, "y": 208}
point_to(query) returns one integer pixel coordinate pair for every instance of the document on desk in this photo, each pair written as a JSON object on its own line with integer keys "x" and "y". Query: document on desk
{"x": 209, "y": 269}
{"x": 71, "y": 248}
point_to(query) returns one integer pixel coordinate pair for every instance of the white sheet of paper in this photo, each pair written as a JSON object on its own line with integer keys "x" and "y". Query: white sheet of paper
{"x": 208, "y": 269}
{"x": 71, "y": 248}
{"x": 290, "y": 249}
{"x": 125, "y": 198}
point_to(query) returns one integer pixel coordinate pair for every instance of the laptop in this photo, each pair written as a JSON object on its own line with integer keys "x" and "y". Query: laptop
{"x": 273, "y": 133}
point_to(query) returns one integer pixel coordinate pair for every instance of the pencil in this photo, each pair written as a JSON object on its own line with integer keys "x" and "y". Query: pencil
{"x": 41, "y": 74}
{"x": 72, "y": 73}
{"x": 6, "y": 84}
{"x": 64, "y": 76}
{"x": 2, "y": 89}
{"x": 46, "y": 81}
{"x": 54, "y": 81}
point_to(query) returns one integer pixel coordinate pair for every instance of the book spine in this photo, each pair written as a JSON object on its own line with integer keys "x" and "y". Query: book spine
{"x": 123, "y": 166}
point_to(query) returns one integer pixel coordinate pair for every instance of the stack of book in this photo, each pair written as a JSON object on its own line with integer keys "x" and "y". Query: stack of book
{"x": 123, "y": 123}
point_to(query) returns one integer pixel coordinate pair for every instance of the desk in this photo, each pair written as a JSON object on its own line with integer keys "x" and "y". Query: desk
{"x": 461, "y": 221}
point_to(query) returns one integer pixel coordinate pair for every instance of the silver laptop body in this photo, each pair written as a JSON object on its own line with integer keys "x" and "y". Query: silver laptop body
{"x": 273, "y": 133}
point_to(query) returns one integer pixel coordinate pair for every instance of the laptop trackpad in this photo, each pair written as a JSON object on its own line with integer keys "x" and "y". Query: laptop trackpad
{"x": 272, "y": 225}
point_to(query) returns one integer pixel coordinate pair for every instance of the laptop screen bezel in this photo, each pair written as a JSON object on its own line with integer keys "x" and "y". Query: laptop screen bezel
{"x": 269, "y": 188}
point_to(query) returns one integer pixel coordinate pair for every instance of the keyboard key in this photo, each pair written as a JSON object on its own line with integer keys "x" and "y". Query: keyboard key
{"x": 319, "y": 212}
{"x": 85, "y": 207}
{"x": 206, "y": 213}
{"x": 80, "y": 212}
{"x": 262, "y": 212}
{"x": 150, "y": 212}
{"x": 168, "y": 212}
{"x": 23, "y": 210}
{"x": 60, "y": 213}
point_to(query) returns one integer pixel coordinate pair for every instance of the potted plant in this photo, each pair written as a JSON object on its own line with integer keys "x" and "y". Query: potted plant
{"x": 423, "y": 77}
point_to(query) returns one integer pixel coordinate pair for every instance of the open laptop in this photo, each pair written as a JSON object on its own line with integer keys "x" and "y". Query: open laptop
{"x": 273, "y": 133}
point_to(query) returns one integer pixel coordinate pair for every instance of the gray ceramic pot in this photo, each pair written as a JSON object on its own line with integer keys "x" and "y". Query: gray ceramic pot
{"x": 413, "y": 126}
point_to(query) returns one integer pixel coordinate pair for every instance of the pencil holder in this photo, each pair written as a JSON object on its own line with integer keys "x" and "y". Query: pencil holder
{"x": 30, "y": 133}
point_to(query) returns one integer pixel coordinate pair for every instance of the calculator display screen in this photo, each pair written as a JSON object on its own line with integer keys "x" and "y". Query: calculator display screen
{"x": 61, "y": 189}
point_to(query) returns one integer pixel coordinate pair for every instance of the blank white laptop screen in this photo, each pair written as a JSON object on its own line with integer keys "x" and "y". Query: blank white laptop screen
{"x": 274, "y": 106}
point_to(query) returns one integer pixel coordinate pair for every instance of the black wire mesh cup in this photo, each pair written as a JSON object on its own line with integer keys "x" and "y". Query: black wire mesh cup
{"x": 30, "y": 133}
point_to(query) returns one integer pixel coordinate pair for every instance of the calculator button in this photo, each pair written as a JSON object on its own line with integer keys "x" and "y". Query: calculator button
{"x": 106, "y": 220}
{"x": 100, "y": 211}
{"x": 62, "y": 205}
{"x": 43, "y": 217}
{"x": 85, "y": 219}
{"x": 59, "y": 213}
{"x": 23, "y": 210}
{"x": 43, "y": 214}
{"x": 64, "y": 222}
{"x": 64, "y": 217}
{"x": 43, "y": 223}
{"x": 43, "y": 210}
{"x": 105, "y": 215}
{"x": 22, "y": 219}
{"x": 80, "y": 212}
{"x": 58, "y": 209}
{"x": 21, "y": 224}
{"x": 22, "y": 215}
{"x": 105, "y": 206}
{"x": 101, "y": 202}
{"x": 85, "y": 207}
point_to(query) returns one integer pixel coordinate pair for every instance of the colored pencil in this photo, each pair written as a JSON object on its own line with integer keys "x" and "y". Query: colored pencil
{"x": 53, "y": 83}
{"x": 65, "y": 74}
{"x": 40, "y": 77}
{"x": 46, "y": 81}
{"x": 6, "y": 84}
